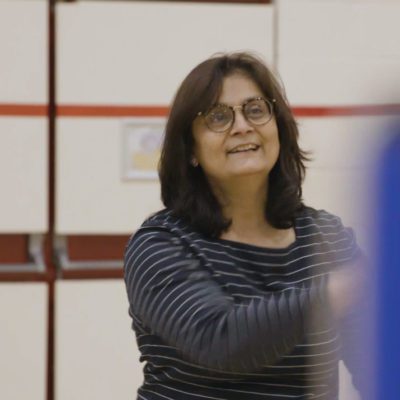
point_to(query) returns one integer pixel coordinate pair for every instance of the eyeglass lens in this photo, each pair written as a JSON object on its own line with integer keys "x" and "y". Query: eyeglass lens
{"x": 220, "y": 117}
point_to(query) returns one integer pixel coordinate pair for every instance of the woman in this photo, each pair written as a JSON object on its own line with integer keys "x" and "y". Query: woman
{"x": 230, "y": 287}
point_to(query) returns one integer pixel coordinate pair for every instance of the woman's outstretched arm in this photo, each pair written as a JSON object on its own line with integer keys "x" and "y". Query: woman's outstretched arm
{"x": 178, "y": 300}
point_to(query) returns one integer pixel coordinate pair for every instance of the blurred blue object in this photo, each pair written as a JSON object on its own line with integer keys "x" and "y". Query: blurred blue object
{"x": 388, "y": 273}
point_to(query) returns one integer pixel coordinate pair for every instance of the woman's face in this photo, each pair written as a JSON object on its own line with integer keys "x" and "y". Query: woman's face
{"x": 243, "y": 150}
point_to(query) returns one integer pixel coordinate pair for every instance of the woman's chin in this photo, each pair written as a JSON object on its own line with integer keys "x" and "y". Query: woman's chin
{"x": 250, "y": 170}
{"x": 249, "y": 165}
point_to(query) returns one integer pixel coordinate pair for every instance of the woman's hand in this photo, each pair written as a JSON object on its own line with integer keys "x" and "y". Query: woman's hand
{"x": 344, "y": 288}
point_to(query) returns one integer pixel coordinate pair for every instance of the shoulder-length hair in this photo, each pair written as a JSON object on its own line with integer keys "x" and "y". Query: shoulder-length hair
{"x": 185, "y": 189}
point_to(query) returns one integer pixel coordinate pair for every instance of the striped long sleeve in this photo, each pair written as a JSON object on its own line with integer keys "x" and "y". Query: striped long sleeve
{"x": 176, "y": 297}
{"x": 357, "y": 330}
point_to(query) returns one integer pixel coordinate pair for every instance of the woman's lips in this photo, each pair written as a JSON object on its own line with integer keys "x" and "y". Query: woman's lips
{"x": 242, "y": 148}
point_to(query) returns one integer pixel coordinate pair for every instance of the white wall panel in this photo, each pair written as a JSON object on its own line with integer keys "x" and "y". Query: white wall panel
{"x": 91, "y": 195}
{"x": 343, "y": 192}
{"x": 340, "y": 177}
{"x": 343, "y": 142}
{"x": 96, "y": 353}
{"x": 23, "y": 338}
{"x": 339, "y": 52}
{"x": 23, "y": 44}
{"x": 23, "y": 175}
{"x": 138, "y": 52}
{"x": 133, "y": 53}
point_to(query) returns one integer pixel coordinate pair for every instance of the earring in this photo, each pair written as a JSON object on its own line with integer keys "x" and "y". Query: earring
{"x": 194, "y": 162}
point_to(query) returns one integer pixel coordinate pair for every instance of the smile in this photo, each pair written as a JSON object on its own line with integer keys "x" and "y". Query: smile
{"x": 244, "y": 147}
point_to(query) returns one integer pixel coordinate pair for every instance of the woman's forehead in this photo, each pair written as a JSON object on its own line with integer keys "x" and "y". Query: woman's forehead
{"x": 237, "y": 88}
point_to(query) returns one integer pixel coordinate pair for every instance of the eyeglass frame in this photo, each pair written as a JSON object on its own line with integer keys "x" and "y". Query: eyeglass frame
{"x": 270, "y": 103}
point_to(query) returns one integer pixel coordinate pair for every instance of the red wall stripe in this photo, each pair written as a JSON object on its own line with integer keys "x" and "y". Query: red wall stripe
{"x": 13, "y": 248}
{"x": 75, "y": 110}
{"x": 79, "y": 110}
{"x": 376, "y": 109}
{"x": 24, "y": 110}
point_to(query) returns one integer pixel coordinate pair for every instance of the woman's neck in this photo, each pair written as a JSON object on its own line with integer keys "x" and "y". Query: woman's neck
{"x": 243, "y": 203}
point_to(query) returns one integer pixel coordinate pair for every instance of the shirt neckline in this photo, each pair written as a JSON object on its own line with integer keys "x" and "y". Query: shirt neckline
{"x": 248, "y": 246}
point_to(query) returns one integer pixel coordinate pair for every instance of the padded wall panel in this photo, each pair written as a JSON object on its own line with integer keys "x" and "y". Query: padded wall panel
{"x": 340, "y": 176}
{"x": 91, "y": 195}
{"x": 343, "y": 142}
{"x": 96, "y": 353}
{"x": 23, "y": 316}
{"x": 339, "y": 52}
{"x": 23, "y": 175}
{"x": 342, "y": 192}
{"x": 23, "y": 141}
{"x": 141, "y": 60}
{"x": 23, "y": 44}
{"x": 138, "y": 52}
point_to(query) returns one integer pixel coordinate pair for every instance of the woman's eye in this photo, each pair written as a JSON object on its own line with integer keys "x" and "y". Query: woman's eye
{"x": 218, "y": 116}
{"x": 255, "y": 110}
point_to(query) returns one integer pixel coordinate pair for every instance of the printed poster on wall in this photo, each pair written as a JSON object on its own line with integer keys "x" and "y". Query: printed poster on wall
{"x": 141, "y": 147}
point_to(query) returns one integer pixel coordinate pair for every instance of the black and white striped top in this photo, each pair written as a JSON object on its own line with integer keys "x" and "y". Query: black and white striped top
{"x": 217, "y": 319}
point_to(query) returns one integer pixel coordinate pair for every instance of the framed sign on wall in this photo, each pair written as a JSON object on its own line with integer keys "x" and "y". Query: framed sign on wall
{"x": 141, "y": 146}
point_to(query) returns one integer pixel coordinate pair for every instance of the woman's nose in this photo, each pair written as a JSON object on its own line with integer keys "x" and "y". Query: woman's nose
{"x": 240, "y": 123}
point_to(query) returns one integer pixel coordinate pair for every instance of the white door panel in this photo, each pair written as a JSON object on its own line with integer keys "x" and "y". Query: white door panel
{"x": 339, "y": 52}
{"x": 139, "y": 52}
{"x": 23, "y": 341}
{"x": 92, "y": 197}
{"x": 23, "y": 175}
{"x": 96, "y": 352}
{"x": 23, "y": 44}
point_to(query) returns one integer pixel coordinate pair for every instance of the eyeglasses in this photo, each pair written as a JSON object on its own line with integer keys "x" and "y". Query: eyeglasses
{"x": 221, "y": 117}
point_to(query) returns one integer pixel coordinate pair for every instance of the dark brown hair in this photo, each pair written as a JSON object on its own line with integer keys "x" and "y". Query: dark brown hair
{"x": 185, "y": 189}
